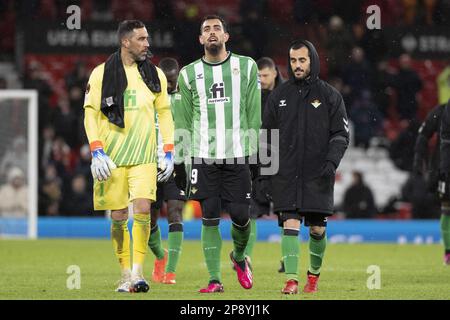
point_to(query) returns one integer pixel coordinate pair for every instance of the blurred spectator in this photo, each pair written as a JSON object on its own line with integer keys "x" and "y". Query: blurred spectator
{"x": 373, "y": 43}
{"x": 164, "y": 10}
{"x": 101, "y": 10}
{"x": 83, "y": 165}
{"x": 366, "y": 119}
{"x": 380, "y": 87}
{"x": 358, "y": 199}
{"x": 407, "y": 84}
{"x": 401, "y": 149}
{"x": 50, "y": 190}
{"x": 254, "y": 28}
{"x": 410, "y": 11}
{"x": 77, "y": 202}
{"x": 349, "y": 11}
{"x": 338, "y": 83}
{"x": 36, "y": 79}
{"x": 303, "y": 10}
{"x": 65, "y": 123}
{"x": 187, "y": 33}
{"x": 443, "y": 82}
{"x": 442, "y": 13}
{"x": 46, "y": 146}
{"x": 427, "y": 13}
{"x": 17, "y": 156}
{"x": 356, "y": 74}
{"x": 338, "y": 45}
{"x": 60, "y": 159}
{"x": 76, "y": 84}
{"x": 14, "y": 195}
{"x": 425, "y": 205}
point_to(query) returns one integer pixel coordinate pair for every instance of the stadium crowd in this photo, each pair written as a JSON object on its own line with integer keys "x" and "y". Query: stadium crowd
{"x": 382, "y": 95}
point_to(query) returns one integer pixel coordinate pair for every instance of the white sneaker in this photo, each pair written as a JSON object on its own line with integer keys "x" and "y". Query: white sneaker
{"x": 124, "y": 285}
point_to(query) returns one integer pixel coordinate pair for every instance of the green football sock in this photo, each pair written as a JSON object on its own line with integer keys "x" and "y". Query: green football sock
{"x": 290, "y": 249}
{"x": 240, "y": 237}
{"x": 317, "y": 245}
{"x": 212, "y": 245}
{"x": 445, "y": 231}
{"x": 155, "y": 244}
{"x": 251, "y": 239}
{"x": 175, "y": 239}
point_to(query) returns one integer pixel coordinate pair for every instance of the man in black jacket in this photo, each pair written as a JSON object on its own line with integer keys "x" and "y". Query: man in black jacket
{"x": 444, "y": 183}
{"x": 313, "y": 136}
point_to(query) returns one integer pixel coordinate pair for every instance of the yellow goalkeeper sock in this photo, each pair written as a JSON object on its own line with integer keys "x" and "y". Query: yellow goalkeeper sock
{"x": 121, "y": 243}
{"x": 141, "y": 234}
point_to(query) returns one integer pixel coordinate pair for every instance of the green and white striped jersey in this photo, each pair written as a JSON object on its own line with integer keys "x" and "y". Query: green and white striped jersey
{"x": 220, "y": 107}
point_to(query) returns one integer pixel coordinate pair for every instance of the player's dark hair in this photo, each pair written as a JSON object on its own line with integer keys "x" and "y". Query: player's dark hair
{"x": 298, "y": 45}
{"x": 265, "y": 62}
{"x": 127, "y": 26}
{"x": 211, "y": 17}
{"x": 168, "y": 65}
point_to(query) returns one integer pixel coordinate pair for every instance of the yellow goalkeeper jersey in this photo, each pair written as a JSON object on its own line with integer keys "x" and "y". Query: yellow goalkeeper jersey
{"x": 136, "y": 142}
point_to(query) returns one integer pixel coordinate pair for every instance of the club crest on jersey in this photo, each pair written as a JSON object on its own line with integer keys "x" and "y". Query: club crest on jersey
{"x": 235, "y": 71}
{"x": 217, "y": 91}
{"x": 316, "y": 103}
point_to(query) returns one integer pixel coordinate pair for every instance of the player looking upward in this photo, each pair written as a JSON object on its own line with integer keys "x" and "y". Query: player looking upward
{"x": 220, "y": 109}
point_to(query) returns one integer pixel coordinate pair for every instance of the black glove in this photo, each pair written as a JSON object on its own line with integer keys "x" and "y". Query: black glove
{"x": 328, "y": 169}
{"x": 261, "y": 190}
{"x": 180, "y": 176}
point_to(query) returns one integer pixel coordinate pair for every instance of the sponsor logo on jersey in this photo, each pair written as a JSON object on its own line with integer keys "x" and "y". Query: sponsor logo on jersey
{"x": 194, "y": 190}
{"x": 217, "y": 91}
{"x": 282, "y": 103}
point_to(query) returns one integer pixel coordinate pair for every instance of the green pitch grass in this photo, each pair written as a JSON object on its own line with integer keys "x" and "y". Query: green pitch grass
{"x": 38, "y": 270}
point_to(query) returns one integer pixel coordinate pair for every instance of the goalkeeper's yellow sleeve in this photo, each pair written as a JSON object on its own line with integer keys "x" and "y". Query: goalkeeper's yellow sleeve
{"x": 162, "y": 107}
{"x": 92, "y": 105}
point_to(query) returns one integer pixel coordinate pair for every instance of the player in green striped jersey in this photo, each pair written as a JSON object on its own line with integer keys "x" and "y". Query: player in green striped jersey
{"x": 219, "y": 116}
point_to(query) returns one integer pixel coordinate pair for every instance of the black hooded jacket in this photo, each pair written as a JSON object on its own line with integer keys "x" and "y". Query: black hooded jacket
{"x": 313, "y": 131}
{"x": 431, "y": 126}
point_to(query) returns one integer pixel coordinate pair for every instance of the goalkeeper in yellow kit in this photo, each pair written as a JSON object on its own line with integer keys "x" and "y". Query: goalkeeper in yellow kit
{"x": 121, "y": 98}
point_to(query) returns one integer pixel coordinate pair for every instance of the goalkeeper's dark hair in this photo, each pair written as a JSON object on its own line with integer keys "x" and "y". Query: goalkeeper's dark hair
{"x": 168, "y": 65}
{"x": 127, "y": 26}
{"x": 211, "y": 17}
{"x": 265, "y": 62}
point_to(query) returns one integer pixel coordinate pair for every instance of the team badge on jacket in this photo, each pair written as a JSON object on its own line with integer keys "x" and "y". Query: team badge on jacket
{"x": 316, "y": 103}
